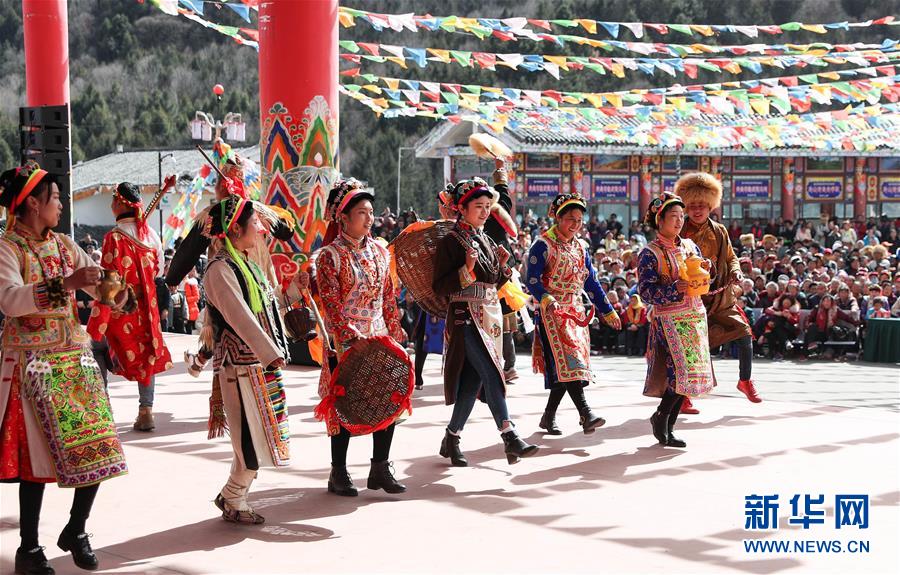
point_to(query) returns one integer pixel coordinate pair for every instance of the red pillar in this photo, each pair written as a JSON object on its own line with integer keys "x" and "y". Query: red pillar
{"x": 645, "y": 193}
{"x": 859, "y": 188}
{"x": 787, "y": 190}
{"x": 714, "y": 169}
{"x": 46, "y": 52}
{"x": 298, "y": 100}
{"x": 46, "y": 29}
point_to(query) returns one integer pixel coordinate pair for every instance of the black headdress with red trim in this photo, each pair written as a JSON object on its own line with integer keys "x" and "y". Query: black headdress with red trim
{"x": 658, "y": 207}
{"x": 563, "y": 201}
{"x": 340, "y": 196}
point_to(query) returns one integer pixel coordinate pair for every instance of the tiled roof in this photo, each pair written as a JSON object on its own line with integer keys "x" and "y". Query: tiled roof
{"x": 141, "y": 167}
{"x": 448, "y": 139}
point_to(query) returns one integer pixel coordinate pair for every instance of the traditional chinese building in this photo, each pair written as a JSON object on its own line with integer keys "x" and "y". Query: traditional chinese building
{"x": 621, "y": 179}
{"x": 94, "y": 180}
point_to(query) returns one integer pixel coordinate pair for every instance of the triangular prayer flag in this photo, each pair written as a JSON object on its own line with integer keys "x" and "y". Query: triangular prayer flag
{"x": 417, "y": 55}
{"x": 589, "y": 25}
{"x": 485, "y": 60}
{"x": 346, "y": 19}
{"x": 442, "y": 55}
{"x": 817, "y": 28}
{"x": 462, "y": 57}
{"x": 372, "y": 49}
{"x": 398, "y": 60}
{"x": 612, "y": 28}
{"x": 195, "y": 5}
{"x": 349, "y": 45}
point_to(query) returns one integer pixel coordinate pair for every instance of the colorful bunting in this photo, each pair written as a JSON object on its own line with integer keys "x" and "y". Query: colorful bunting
{"x": 553, "y": 65}
{"x": 514, "y": 28}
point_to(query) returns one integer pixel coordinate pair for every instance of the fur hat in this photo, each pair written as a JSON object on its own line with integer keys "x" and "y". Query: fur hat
{"x": 699, "y": 186}
{"x": 747, "y": 240}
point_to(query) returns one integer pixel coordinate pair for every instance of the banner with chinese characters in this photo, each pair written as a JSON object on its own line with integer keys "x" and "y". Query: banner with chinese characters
{"x": 542, "y": 186}
{"x": 668, "y": 183}
{"x": 751, "y": 188}
{"x": 890, "y": 188}
{"x": 610, "y": 188}
{"x": 824, "y": 188}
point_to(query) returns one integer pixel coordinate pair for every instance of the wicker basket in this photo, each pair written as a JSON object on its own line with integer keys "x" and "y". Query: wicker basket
{"x": 414, "y": 251}
{"x": 372, "y": 385}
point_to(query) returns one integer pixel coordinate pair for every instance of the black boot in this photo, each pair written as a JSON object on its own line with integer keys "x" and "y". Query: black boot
{"x": 660, "y": 419}
{"x": 548, "y": 422}
{"x": 587, "y": 419}
{"x": 381, "y": 477}
{"x": 548, "y": 419}
{"x": 671, "y": 440}
{"x": 80, "y": 547}
{"x": 340, "y": 483}
{"x": 450, "y": 448}
{"x": 32, "y": 562}
{"x": 515, "y": 447}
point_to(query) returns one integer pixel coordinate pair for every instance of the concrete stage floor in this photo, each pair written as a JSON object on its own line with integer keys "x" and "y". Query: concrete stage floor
{"x": 612, "y": 502}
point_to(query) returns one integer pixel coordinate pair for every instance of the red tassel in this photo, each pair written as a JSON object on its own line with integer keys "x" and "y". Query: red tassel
{"x": 217, "y": 424}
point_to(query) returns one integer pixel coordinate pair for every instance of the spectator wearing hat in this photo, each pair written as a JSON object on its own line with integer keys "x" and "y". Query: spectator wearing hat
{"x": 848, "y": 234}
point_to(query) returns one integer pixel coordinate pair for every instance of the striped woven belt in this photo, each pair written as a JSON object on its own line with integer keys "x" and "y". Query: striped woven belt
{"x": 477, "y": 292}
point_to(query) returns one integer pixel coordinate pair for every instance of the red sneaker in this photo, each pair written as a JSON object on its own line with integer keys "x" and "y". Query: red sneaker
{"x": 688, "y": 407}
{"x": 746, "y": 387}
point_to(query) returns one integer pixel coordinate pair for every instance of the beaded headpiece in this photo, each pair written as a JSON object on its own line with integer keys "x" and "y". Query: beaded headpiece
{"x": 33, "y": 174}
{"x": 563, "y": 201}
{"x": 465, "y": 189}
{"x": 658, "y": 205}
{"x": 342, "y": 193}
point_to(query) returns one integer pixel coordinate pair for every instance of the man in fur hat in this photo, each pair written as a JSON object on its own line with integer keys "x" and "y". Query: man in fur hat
{"x": 702, "y": 193}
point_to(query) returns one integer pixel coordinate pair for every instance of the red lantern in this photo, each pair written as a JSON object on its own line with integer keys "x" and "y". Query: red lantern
{"x": 218, "y": 90}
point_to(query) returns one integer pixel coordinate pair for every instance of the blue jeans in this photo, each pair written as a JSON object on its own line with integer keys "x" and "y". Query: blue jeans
{"x": 478, "y": 371}
{"x": 145, "y": 393}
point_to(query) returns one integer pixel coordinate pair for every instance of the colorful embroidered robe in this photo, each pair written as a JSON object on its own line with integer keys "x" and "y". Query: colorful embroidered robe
{"x": 558, "y": 271}
{"x": 46, "y": 356}
{"x": 678, "y": 347}
{"x": 358, "y": 300}
{"x": 135, "y": 339}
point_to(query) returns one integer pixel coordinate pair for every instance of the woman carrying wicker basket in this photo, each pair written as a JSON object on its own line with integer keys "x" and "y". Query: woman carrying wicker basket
{"x": 360, "y": 312}
{"x": 559, "y": 269}
{"x": 427, "y": 325}
{"x": 469, "y": 267}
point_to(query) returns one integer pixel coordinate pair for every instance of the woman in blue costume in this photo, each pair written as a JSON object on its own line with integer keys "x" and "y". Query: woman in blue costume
{"x": 559, "y": 270}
